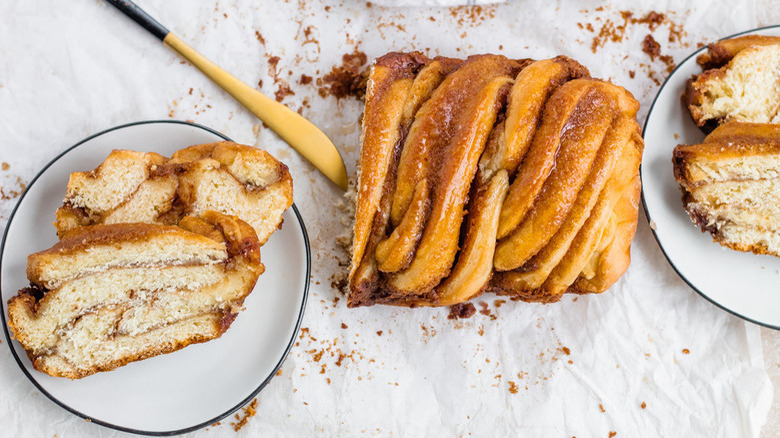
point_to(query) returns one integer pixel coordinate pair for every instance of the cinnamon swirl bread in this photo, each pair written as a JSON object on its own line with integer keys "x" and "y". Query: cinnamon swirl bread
{"x": 731, "y": 185}
{"x": 109, "y": 294}
{"x": 146, "y": 187}
{"x": 490, "y": 174}
{"x": 746, "y": 89}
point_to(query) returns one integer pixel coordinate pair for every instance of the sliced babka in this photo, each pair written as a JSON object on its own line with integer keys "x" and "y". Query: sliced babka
{"x": 109, "y": 294}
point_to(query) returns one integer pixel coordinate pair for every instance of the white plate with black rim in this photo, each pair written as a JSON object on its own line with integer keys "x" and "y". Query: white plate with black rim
{"x": 200, "y": 384}
{"x": 745, "y": 284}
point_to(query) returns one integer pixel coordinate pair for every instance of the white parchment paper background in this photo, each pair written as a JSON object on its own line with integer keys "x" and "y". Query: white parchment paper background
{"x": 647, "y": 358}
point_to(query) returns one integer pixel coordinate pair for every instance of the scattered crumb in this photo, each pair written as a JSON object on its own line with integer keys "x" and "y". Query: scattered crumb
{"x": 512, "y": 387}
{"x": 486, "y": 310}
{"x": 653, "y": 49}
{"x": 612, "y": 434}
{"x": 344, "y": 326}
{"x": 6, "y": 166}
{"x": 631, "y": 74}
{"x": 472, "y": 15}
{"x": 462, "y": 311}
{"x": 686, "y": 351}
{"x": 305, "y": 79}
{"x": 379, "y": 333}
{"x": 643, "y": 405}
{"x": 346, "y": 80}
{"x": 601, "y": 407}
{"x": 259, "y": 37}
{"x": 282, "y": 87}
{"x": 566, "y": 350}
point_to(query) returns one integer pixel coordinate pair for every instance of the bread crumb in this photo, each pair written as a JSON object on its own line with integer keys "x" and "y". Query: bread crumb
{"x": 462, "y": 311}
{"x": 249, "y": 411}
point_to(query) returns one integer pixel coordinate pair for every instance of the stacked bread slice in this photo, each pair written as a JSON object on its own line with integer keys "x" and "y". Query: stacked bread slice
{"x": 490, "y": 174}
{"x": 106, "y": 295}
{"x": 731, "y": 185}
{"x": 155, "y": 254}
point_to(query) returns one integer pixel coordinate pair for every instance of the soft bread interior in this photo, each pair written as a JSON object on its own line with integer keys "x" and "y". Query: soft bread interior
{"x": 748, "y": 88}
{"x": 68, "y": 260}
{"x": 107, "y": 295}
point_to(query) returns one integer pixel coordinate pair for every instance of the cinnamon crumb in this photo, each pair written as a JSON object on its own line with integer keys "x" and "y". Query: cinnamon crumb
{"x": 566, "y": 351}
{"x": 643, "y": 405}
{"x": 512, "y": 387}
{"x": 259, "y": 37}
{"x": 249, "y": 411}
{"x": 305, "y": 80}
{"x": 686, "y": 351}
{"x": 344, "y": 326}
{"x": 6, "y": 166}
{"x": 631, "y": 74}
{"x": 601, "y": 407}
{"x": 612, "y": 434}
{"x": 379, "y": 333}
{"x": 461, "y": 311}
{"x": 346, "y": 80}
{"x": 472, "y": 15}
{"x": 486, "y": 311}
{"x": 283, "y": 91}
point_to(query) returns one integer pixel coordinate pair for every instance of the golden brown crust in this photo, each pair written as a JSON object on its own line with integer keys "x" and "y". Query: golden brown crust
{"x": 729, "y": 141}
{"x": 580, "y": 140}
{"x": 720, "y": 53}
{"x": 504, "y": 130}
{"x": 478, "y": 86}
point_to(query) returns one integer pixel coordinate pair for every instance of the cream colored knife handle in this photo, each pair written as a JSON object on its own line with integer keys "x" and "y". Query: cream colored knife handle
{"x": 300, "y": 133}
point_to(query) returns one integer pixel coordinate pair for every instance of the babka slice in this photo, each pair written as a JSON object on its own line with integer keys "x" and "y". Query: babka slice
{"x": 731, "y": 185}
{"x": 146, "y": 187}
{"x": 747, "y": 89}
{"x": 128, "y": 186}
{"x": 107, "y": 295}
{"x": 237, "y": 180}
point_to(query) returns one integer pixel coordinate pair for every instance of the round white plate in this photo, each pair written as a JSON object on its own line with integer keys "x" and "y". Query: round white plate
{"x": 193, "y": 387}
{"x": 744, "y": 284}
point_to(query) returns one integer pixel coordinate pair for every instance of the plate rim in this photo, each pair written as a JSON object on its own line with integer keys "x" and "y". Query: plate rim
{"x": 195, "y": 427}
{"x": 641, "y": 175}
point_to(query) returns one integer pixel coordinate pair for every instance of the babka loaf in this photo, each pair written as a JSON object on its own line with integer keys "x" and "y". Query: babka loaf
{"x": 490, "y": 174}
{"x": 746, "y": 89}
{"x": 106, "y": 295}
{"x": 731, "y": 185}
{"x": 146, "y": 187}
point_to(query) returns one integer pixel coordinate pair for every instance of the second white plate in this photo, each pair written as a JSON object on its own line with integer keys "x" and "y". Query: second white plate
{"x": 744, "y": 284}
{"x": 193, "y": 387}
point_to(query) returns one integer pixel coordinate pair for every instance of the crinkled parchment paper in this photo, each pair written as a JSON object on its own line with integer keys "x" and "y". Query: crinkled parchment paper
{"x": 648, "y": 358}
